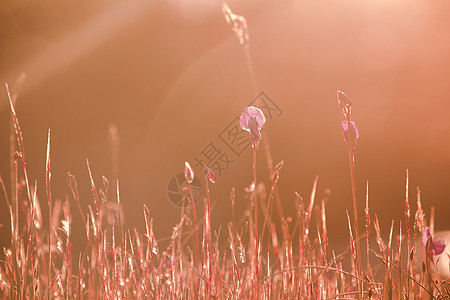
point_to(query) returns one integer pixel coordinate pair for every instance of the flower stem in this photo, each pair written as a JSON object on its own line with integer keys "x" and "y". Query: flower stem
{"x": 351, "y": 156}
{"x": 256, "y": 211}
{"x": 197, "y": 259}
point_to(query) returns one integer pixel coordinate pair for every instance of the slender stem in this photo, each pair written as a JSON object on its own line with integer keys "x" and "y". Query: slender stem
{"x": 207, "y": 221}
{"x": 49, "y": 199}
{"x": 369, "y": 270}
{"x": 255, "y": 197}
{"x": 233, "y": 208}
{"x": 13, "y": 169}
{"x": 400, "y": 285}
{"x": 351, "y": 155}
{"x": 14, "y": 199}
{"x": 49, "y": 248}
{"x": 14, "y": 184}
{"x": 254, "y": 193}
{"x": 197, "y": 259}
{"x": 407, "y": 215}
{"x": 207, "y": 236}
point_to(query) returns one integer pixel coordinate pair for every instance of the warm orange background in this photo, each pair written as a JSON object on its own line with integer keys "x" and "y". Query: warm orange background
{"x": 171, "y": 75}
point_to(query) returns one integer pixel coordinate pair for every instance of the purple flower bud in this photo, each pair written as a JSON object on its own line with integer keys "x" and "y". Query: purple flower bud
{"x": 252, "y": 120}
{"x": 434, "y": 247}
{"x": 438, "y": 245}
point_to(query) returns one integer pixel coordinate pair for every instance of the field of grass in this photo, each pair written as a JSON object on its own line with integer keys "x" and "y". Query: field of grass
{"x": 261, "y": 262}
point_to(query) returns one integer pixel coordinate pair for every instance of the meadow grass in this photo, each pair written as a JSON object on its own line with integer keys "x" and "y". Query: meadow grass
{"x": 287, "y": 262}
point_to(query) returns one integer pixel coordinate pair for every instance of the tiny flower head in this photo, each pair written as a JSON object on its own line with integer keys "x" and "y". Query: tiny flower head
{"x": 188, "y": 173}
{"x": 252, "y": 120}
{"x": 345, "y": 104}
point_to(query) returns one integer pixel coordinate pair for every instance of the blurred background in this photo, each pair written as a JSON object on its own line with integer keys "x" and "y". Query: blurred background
{"x": 172, "y": 76}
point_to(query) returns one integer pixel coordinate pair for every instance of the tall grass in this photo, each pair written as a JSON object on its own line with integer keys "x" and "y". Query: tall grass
{"x": 290, "y": 262}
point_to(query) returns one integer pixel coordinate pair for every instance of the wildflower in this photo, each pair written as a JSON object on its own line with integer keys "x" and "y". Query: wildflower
{"x": 434, "y": 247}
{"x": 351, "y": 133}
{"x": 436, "y": 255}
{"x": 188, "y": 173}
{"x": 252, "y": 120}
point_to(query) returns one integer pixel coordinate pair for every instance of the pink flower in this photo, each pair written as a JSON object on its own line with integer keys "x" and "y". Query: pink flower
{"x": 252, "y": 120}
{"x": 434, "y": 247}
